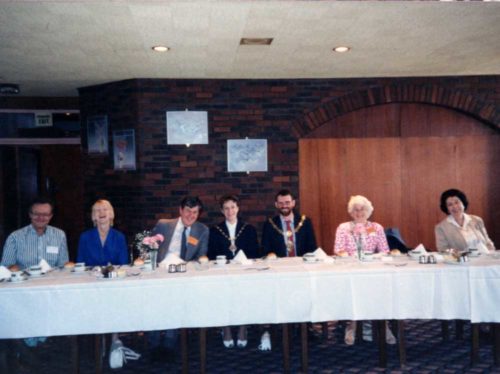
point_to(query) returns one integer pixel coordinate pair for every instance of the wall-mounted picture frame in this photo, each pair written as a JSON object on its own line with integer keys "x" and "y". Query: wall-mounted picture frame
{"x": 124, "y": 149}
{"x": 246, "y": 155}
{"x": 187, "y": 127}
{"x": 97, "y": 134}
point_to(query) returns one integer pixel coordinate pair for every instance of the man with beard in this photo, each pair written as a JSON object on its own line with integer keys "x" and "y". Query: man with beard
{"x": 289, "y": 233}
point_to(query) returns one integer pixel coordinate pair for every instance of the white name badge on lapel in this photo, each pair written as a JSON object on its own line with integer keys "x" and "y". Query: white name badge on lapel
{"x": 52, "y": 249}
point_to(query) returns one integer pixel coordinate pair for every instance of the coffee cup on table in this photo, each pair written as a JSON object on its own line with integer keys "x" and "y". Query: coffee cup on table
{"x": 221, "y": 260}
{"x": 35, "y": 270}
{"x": 79, "y": 266}
{"x": 16, "y": 276}
{"x": 473, "y": 252}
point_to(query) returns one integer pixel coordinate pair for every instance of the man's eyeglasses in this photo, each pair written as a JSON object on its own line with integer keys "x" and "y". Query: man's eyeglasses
{"x": 42, "y": 215}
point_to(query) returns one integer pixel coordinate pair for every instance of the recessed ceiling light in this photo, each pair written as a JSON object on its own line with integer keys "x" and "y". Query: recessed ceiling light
{"x": 341, "y": 49}
{"x": 160, "y": 48}
{"x": 256, "y": 41}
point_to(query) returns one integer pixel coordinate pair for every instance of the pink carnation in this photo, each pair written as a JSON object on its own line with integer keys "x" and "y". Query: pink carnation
{"x": 159, "y": 238}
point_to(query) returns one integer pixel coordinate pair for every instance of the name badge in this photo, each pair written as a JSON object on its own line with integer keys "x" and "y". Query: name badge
{"x": 52, "y": 249}
{"x": 192, "y": 240}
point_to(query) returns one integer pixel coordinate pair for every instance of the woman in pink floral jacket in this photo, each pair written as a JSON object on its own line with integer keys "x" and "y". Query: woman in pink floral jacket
{"x": 369, "y": 237}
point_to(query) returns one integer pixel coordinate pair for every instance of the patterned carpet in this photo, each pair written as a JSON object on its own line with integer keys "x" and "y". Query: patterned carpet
{"x": 426, "y": 353}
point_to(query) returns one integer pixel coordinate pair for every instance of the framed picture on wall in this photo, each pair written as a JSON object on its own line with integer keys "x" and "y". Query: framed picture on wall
{"x": 124, "y": 149}
{"x": 97, "y": 134}
{"x": 187, "y": 127}
{"x": 246, "y": 155}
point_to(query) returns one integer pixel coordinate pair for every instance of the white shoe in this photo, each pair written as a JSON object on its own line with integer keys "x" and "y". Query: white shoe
{"x": 228, "y": 343}
{"x": 241, "y": 343}
{"x": 265, "y": 342}
{"x": 389, "y": 337}
{"x": 118, "y": 355}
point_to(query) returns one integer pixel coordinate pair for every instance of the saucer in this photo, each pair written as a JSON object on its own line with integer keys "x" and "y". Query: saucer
{"x": 36, "y": 275}
{"x": 78, "y": 271}
{"x": 221, "y": 263}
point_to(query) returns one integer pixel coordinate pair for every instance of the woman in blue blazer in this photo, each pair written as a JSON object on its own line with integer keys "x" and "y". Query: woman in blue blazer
{"x": 102, "y": 244}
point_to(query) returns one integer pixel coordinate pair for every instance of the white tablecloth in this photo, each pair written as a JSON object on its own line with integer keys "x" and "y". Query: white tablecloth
{"x": 64, "y": 303}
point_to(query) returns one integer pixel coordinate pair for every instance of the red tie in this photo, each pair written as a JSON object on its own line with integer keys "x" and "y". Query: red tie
{"x": 291, "y": 247}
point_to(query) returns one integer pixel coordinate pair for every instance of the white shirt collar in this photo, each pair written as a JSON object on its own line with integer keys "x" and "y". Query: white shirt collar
{"x": 467, "y": 220}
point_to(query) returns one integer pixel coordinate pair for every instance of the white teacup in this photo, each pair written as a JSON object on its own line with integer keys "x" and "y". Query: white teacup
{"x": 221, "y": 260}
{"x": 368, "y": 256}
{"x": 79, "y": 266}
{"x": 473, "y": 252}
{"x": 16, "y": 276}
{"x": 309, "y": 258}
{"x": 35, "y": 270}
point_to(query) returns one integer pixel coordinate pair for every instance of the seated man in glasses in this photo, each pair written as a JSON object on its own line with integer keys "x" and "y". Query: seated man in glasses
{"x": 29, "y": 245}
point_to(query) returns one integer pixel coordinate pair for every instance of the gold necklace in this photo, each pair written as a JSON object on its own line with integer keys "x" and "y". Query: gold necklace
{"x": 289, "y": 233}
{"x": 295, "y": 230}
{"x": 232, "y": 241}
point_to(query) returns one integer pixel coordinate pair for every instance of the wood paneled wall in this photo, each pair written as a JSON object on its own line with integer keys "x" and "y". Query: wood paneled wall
{"x": 402, "y": 175}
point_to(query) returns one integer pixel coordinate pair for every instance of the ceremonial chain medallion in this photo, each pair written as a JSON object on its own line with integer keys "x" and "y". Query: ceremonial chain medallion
{"x": 289, "y": 233}
{"x": 232, "y": 241}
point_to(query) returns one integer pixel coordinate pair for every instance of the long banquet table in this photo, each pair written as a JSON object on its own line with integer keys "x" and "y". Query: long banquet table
{"x": 266, "y": 292}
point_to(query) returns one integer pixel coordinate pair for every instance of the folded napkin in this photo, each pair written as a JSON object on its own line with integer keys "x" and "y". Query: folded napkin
{"x": 321, "y": 255}
{"x": 4, "y": 273}
{"x": 44, "y": 265}
{"x": 418, "y": 251}
{"x": 171, "y": 258}
{"x": 241, "y": 258}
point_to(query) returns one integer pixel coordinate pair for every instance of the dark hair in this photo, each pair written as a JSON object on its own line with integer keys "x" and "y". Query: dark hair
{"x": 192, "y": 202}
{"x": 42, "y": 200}
{"x": 284, "y": 193}
{"x": 226, "y": 198}
{"x": 453, "y": 193}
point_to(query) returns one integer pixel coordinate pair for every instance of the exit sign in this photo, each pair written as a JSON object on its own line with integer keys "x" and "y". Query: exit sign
{"x": 43, "y": 119}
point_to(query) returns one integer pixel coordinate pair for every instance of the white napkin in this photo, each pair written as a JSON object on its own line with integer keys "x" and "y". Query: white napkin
{"x": 241, "y": 258}
{"x": 170, "y": 259}
{"x": 321, "y": 255}
{"x": 44, "y": 265}
{"x": 4, "y": 273}
{"x": 419, "y": 250}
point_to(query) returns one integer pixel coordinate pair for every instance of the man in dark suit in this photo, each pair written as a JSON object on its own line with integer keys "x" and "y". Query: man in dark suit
{"x": 184, "y": 236}
{"x": 188, "y": 239}
{"x": 289, "y": 233}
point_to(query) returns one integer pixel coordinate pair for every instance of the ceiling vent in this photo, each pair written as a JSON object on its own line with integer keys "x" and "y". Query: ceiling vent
{"x": 256, "y": 41}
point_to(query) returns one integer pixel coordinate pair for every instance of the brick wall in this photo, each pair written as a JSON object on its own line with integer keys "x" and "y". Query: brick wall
{"x": 280, "y": 111}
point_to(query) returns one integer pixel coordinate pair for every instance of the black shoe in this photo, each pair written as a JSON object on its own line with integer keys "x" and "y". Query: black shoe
{"x": 162, "y": 354}
{"x": 171, "y": 355}
{"x": 158, "y": 354}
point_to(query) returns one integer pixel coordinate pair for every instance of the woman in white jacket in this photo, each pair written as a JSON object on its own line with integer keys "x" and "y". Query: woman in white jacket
{"x": 460, "y": 231}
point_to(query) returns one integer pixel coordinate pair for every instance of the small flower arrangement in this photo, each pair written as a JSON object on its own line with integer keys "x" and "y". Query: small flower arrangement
{"x": 146, "y": 243}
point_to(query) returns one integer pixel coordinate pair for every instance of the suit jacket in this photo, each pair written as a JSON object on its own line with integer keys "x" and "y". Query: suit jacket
{"x": 199, "y": 231}
{"x": 218, "y": 244}
{"x": 93, "y": 253}
{"x": 273, "y": 240}
{"x": 449, "y": 236}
